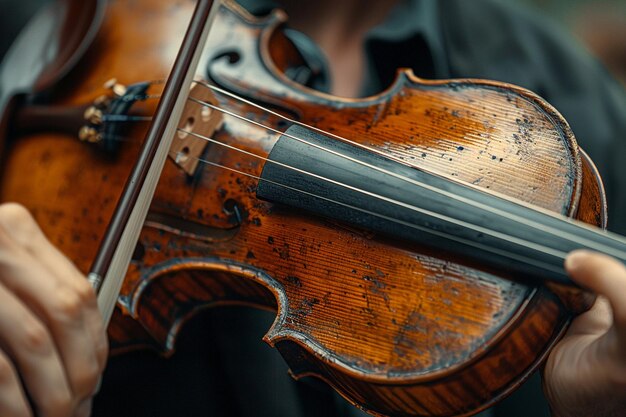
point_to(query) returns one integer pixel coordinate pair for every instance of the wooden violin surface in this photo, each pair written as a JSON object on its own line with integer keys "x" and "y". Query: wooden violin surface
{"x": 398, "y": 329}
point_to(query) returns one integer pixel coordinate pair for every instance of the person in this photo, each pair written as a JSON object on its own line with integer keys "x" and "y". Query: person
{"x": 53, "y": 346}
{"x": 59, "y": 348}
{"x": 584, "y": 374}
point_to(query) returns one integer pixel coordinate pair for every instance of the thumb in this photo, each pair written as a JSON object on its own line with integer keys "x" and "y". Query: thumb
{"x": 603, "y": 275}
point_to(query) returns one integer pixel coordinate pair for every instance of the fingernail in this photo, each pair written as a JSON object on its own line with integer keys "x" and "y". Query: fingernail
{"x": 575, "y": 259}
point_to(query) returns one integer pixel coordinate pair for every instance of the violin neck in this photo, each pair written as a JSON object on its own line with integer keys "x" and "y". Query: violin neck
{"x": 344, "y": 182}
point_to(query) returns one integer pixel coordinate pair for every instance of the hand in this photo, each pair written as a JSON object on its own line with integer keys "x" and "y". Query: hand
{"x": 585, "y": 374}
{"x": 53, "y": 347}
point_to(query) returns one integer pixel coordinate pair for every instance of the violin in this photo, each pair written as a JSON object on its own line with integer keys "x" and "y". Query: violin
{"x": 410, "y": 243}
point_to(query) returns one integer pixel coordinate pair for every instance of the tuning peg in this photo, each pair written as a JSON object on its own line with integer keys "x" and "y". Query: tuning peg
{"x": 89, "y": 134}
{"x": 93, "y": 115}
{"x": 102, "y": 101}
{"x": 118, "y": 89}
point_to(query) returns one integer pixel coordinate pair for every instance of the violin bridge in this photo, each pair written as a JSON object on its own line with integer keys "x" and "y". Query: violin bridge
{"x": 187, "y": 149}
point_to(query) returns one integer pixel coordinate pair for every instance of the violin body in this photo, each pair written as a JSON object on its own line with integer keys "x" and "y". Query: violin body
{"x": 395, "y": 327}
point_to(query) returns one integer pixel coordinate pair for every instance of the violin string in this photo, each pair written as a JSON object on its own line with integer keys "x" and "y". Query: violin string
{"x": 157, "y": 81}
{"x": 535, "y": 225}
{"x": 392, "y": 157}
{"x": 576, "y": 239}
{"x": 497, "y": 251}
{"x": 378, "y": 152}
{"x": 511, "y": 239}
{"x": 477, "y": 204}
{"x": 116, "y": 138}
{"x": 119, "y": 138}
{"x": 122, "y": 118}
{"x": 139, "y": 97}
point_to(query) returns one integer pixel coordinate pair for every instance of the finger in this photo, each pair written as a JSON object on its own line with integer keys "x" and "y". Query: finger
{"x": 61, "y": 309}
{"x": 20, "y": 225}
{"x": 603, "y": 275}
{"x": 53, "y": 260}
{"x": 12, "y": 398}
{"x": 31, "y": 348}
{"x": 71, "y": 310}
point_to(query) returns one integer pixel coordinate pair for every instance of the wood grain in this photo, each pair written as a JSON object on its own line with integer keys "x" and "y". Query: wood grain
{"x": 397, "y": 329}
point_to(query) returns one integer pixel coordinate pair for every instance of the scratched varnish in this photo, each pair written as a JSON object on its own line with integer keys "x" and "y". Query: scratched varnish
{"x": 397, "y": 329}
